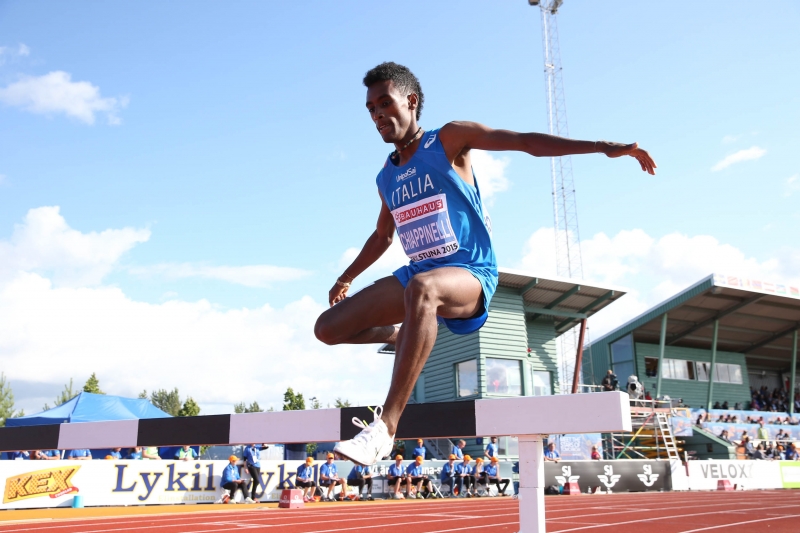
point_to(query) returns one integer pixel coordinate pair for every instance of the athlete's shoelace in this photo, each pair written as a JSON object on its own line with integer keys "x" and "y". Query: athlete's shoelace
{"x": 366, "y": 430}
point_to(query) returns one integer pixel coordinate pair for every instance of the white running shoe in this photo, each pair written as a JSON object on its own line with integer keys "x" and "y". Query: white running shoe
{"x": 249, "y": 500}
{"x": 371, "y": 445}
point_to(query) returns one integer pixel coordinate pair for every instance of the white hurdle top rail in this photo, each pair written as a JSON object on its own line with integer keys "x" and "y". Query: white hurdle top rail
{"x": 527, "y": 417}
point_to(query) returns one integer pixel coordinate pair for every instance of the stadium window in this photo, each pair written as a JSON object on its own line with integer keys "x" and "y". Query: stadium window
{"x": 723, "y": 372}
{"x": 503, "y": 376}
{"x": 622, "y": 357}
{"x": 508, "y": 446}
{"x": 541, "y": 383}
{"x": 467, "y": 378}
{"x": 678, "y": 369}
{"x": 703, "y": 370}
{"x": 735, "y": 373}
{"x": 651, "y": 367}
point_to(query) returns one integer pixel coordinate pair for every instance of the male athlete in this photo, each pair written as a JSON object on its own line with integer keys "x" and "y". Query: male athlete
{"x": 430, "y": 197}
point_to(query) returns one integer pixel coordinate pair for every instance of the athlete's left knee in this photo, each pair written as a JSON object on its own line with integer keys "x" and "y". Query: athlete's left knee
{"x": 422, "y": 290}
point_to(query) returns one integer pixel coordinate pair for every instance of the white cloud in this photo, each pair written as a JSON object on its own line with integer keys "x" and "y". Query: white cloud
{"x": 792, "y": 185}
{"x": 51, "y": 331}
{"x": 44, "y": 243}
{"x": 57, "y": 93}
{"x": 730, "y": 138}
{"x": 754, "y": 152}
{"x": 655, "y": 268}
{"x": 23, "y": 50}
{"x": 248, "y": 275}
{"x": 490, "y": 172}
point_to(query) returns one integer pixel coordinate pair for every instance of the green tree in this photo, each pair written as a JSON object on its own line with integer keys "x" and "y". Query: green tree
{"x": 66, "y": 395}
{"x": 311, "y": 447}
{"x": 339, "y": 403}
{"x": 292, "y": 401}
{"x": 190, "y": 408}
{"x": 315, "y": 403}
{"x": 252, "y": 408}
{"x": 93, "y": 385}
{"x": 143, "y": 395}
{"x": 169, "y": 402}
{"x": 6, "y": 400}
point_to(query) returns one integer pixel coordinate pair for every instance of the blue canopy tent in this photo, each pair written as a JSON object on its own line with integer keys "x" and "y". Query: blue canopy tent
{"x": 88, "y": 407}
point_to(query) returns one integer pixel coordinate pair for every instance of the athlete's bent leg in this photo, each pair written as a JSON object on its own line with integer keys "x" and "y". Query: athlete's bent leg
{"x": 367, "y": 317}
{"x": 449, "y": 292}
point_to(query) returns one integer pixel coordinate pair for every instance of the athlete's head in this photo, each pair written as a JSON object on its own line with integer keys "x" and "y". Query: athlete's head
{"x": 394, "y": 99}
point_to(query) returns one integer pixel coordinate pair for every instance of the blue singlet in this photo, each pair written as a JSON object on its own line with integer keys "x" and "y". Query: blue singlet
{"x": 441, "y": 222}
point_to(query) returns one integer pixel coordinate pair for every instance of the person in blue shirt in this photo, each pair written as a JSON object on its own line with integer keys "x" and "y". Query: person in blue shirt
{"x": 492, "y": 472}
{"x": 18, "y": 456}
{"x": 116, "y": 453}
{"x": 491, "y": 449}
{"x": 186, "y": 453}
{"x": 45, "y": 455}
{"x": 252, "y": 461}
{"x": 418, "y": 480}
{"x": 550, "y": 454}
{"x": 448, "y": 475}
{"x": 134, "y": 454}
{"x": 231, "y": 481}
{"x": 396, "y": 476}
{"x": 79, "y": 455}
{"x": 358, "y": 477}
{"x": 304, "y": 479}
{"x": 431, "y": 198}
{"x": 419, "y": 451}
{"x": 457, "y": 447}
{"x": 465, "y": 477}
{"x": 329, "y": 477}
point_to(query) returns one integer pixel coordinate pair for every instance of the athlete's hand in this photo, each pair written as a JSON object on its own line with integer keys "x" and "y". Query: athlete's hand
{"x": 337, "y": 294}
{"x": 633, "y": 150}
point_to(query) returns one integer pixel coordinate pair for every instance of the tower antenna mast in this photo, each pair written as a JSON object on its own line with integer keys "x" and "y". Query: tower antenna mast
{"x": 565, "y": 211}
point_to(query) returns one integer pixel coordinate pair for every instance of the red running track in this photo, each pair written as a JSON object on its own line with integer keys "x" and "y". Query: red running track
{"x": 675, "y": 512}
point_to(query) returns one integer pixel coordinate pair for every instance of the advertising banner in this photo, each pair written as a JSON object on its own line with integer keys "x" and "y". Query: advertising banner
{"x": 577, "y": 447}
{"x": 609, "y": 476}
{"x": 38, "y": 484}
{"x": 705, "y": 475}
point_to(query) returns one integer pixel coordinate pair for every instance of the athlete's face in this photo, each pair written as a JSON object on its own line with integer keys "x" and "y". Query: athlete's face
{"x": 392, "y": 112}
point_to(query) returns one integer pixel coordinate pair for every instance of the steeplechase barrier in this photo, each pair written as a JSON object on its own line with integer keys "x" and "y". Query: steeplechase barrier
{"x": 528, "y": 418}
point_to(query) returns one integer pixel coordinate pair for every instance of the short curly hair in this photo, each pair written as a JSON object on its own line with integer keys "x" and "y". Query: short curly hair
{"x": 402, "y": 77}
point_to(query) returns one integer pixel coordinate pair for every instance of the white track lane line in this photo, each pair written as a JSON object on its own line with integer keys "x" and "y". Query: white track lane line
{"x": 741, "y": 523}
{"x": 401, "y": 526}
{"x": 475, "y": 527}
{"x": 651, "y": 519}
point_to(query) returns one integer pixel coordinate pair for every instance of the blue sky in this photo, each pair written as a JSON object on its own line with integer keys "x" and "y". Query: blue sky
{"x": 213, "y": 165}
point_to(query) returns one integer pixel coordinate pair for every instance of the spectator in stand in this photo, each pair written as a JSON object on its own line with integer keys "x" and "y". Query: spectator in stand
{"x": 491, "y": 448}
{"x": 782, "y": 435}
{"x": 329, "y": 477}
{"x": 492, "y": 472}
{"x": 396, "y": 476}
{"x": 45, "y": 455}
{"x": 150, "y": 453}
{"x": 252, "y": 461}
{"x": 762, "y": 433}
{"x": 647, "y": 396}
{"x": 791, "y": 453}
{"x": 465, "y": 476}
{"x": 416, "y": 479}
{"x": 358, "y": 477}
{"x": 749, "y": 449}
{"x": 610, "y": 381}
{"x": 717, "y": 405}
{"x": 596, "y": 454}
{"x": 457, "y": 449}
{"x": 779, "y": 453}
{"x": 22, "y": 455}
{"x": 448, "y": 475}
{"x": 550, "y": 454}
{"x": 725, "y": 405}
{"x": 134, "y": 453}
{"x": 116, "y": 453}
{"x": 186, "y": 453}
{"x": 479, "y": 477}
{"x": 759, "y": 453}
{"x": 724, "y": 436}
{"x": 232, "y": 481}
{"x": 79, "y": 455}
{"x": 304, "y": 479}
{"x": 419, "y": 451}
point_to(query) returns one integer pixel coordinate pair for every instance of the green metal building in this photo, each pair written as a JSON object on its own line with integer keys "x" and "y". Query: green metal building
{"x": 741, "y": 331}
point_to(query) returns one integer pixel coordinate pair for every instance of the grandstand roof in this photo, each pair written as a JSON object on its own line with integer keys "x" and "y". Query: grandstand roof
{"x": 756, "y": 318}
{"x": 566, "y": 300}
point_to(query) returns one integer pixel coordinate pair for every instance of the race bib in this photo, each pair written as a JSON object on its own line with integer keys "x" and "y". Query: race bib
{"x": 424, "y": 228}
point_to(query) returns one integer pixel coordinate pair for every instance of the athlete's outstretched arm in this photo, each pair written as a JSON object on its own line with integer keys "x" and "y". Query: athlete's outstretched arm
{"x": 373, "y": 249}
{"x": 460, "y": 137}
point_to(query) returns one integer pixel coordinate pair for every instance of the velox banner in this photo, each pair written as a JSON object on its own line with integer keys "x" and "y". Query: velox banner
{"x": 706, "y": 475}
{"x": 609, "y": 476}
{"x": 38, "y": 484}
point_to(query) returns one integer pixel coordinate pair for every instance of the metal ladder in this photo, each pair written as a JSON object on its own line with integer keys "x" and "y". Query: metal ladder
{"x": 666, "y": 434}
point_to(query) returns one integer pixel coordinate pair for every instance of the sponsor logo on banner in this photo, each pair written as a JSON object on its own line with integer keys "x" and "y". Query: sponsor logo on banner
{"x": 648, "y": 478}
{"x": 424, "y": 228}
{"x": 732, "y": 470}
{"x": 567, "y": 477}
{"x": 609, "y": 479}
{"x": 53, "y": 482}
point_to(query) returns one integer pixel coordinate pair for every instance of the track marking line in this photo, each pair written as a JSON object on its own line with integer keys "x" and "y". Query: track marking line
{"x": 475, "y": 527}
{"x": 396, "y": 526}
{"x": 741, "y": 523}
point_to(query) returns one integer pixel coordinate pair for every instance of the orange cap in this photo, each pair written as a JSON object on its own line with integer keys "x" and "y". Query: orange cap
{"x": 495, "y": 460}
{"x": 419, "y": 441}
{"x": 453, "y": 456}
{"x": 233, "y": 458}
{"x": 467, "y": 458}
{"x": 418, "y": 459}
{"x": 398, "y": 456}
{"x": 309, "y": 460}
{"x": 330, "y": 455}
{"x": 479, "y": 460}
